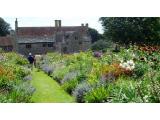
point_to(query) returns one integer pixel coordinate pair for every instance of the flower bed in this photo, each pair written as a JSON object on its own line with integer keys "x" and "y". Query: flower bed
{"x": 108, "y": 77}
{"x": 14, "y": 85}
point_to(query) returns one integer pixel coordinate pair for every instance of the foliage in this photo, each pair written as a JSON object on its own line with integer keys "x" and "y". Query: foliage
{"x": 100, "y": 45}
{"x": 80, "y": 91}
{"x": 132, "y": 29}
{"x": 123, "y": 91}
{"x": 126, "y": 76}
{"x": 140, "y": 69}
{"x": 70, "y": 85}
{"x": 97, "y": 95}
{"x": 13, "y": 87}
{"x": 47, "y": 69}
{"x": 95, "y": 36}
{"x": 4, "y": 27}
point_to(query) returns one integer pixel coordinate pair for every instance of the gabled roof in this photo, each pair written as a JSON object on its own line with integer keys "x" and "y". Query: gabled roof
{"x": 36, "y": 31}
{"x": 6, "y": 41}
{"x": 47, "y": 31}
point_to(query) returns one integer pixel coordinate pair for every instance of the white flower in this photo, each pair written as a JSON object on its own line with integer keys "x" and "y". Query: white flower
{"x": 125, "y": 65}
{"x": 130, "y": 62}
{"x": 133, "y": 55}
{"x": 121, "y": 65}
{"x": 121, "y": 60}
{"x": 132, "y": 67}
{"x": 129, "y": 65}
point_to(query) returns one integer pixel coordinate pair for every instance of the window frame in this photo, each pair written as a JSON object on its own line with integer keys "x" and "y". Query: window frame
{"x": 28, "y": 46}
{"x": 50, "y": 45}
{"x": 44, "y": 45}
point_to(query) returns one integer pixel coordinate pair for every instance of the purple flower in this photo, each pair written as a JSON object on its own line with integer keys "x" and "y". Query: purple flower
{"x": 97, "y": 54}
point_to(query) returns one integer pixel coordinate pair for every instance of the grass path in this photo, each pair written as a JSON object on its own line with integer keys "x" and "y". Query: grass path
{"x": 48, "y": 90}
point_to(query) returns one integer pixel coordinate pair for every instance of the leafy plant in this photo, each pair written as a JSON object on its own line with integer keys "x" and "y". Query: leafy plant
{"x": 80, "y": 91}
{"x": 97, "y": 95}
{"x": 70, "y": 85}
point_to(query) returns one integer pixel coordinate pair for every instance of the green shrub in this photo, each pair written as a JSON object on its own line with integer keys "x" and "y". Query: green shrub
{"x": 97, "y": 95}
{"x": 80, "y": 91}
{"x": 21, "y": 93}
{"x": 149, "y": 88}
{"x": 69, "y": 86}
{"x": 6, "y": 84}
{"x": 4, "y": 99}
{"x": 59, "y": 74}
{"x": 21, "y": 61}
{"x": 140, "y": 69}
{"x": 13, "y": 87}
{"x": 100, "y": 45}
{"x": 124, "y": 91}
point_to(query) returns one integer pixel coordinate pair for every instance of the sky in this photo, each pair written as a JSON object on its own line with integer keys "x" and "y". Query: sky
{"x": 49, "y": 21}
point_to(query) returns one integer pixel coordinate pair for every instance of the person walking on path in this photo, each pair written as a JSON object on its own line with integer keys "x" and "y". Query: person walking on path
{"x": 31, "y": 60}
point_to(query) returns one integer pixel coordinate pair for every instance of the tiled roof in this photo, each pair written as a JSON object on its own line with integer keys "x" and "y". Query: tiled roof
{"x": 36, "y": 40}
{"x": 35, "y": 31}
{"x": 6, "y": 41}
{"x": 47, "y": 31}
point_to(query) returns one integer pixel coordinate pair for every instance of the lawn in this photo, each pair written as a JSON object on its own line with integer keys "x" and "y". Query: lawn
{"x": 48, "y": 90}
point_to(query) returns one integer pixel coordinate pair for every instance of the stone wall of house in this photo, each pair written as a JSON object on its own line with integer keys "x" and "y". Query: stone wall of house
{"x": 63, "y": 42}
{"x": 71, "y": 42}
{"x": 77, "y": 40}
{"x": 39, "y": 45}
{"x": 36, "y": 48}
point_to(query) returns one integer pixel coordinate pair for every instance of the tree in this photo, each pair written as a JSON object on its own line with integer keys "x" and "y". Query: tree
{"x": 95, "y": 35}
{"x": 125, "y": 30}
{"x": 4, "y": 27}
{"x": 100, "y": 45}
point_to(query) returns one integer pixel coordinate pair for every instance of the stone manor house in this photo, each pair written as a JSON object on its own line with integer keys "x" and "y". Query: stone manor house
{"x": 40, "y": 40}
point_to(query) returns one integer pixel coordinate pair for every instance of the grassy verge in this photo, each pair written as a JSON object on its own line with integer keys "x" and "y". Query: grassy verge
{"x": 48, "y": 90}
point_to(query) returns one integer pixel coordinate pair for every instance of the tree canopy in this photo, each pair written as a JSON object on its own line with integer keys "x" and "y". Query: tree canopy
{"x": 4, "y": 27}
{"x": 95, "y": 35}
{"x": 132, "y": 29}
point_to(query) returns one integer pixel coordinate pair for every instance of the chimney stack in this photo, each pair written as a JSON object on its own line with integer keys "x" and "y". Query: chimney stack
{"x": 58, "y": 23}
{"x": 82, "y": 24}
{"x": 87, "y": 25}
{"x": 16, "y": 25}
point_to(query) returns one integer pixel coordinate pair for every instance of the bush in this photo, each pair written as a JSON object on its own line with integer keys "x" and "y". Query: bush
{"x": 80, "y": 91}
{"x": 13, "y": 74}
{"x": 48, "y": 69}
{"x": 149, "y": 88}
{"x": 123, "y": 91}
{"x": 22, "y": 93}
{"x": 59, "y": 74}
{"x": 70, "y": 85}
{"x": 21, "y": 61}
{"x": 97, "y": 95}
{"x": 6, "y": 84}
{"x": 100, "y": 45}
{"x": 69, "y": 76}
{"x": 140, "y": 69}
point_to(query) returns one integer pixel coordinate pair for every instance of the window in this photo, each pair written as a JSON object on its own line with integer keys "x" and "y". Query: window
{"x": 50, "y": 45}
{"x": 44, "y": 45}
{"x": 66, "y": 36}
{"x": 76, "y": 38}
{"x": 28, "y": 46}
